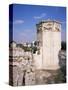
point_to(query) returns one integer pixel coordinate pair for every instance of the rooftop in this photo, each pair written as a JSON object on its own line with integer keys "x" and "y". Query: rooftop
{"x": 48, "y": 20}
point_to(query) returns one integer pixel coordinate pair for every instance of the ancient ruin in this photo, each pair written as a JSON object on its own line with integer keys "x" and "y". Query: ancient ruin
{"x": 21, "y": 66}
{"x": 28, "y": 68}
{"x": 49, "y": 44}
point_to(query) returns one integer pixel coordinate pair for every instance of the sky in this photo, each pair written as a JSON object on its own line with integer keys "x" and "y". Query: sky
{"x": 25, "y": 18}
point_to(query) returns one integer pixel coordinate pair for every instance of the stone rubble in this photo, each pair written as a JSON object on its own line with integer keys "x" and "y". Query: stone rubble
{"x": 23, "y": 68}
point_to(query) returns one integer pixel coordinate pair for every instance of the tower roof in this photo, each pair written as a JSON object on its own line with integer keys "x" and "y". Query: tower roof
{"x": 48, "y": 20}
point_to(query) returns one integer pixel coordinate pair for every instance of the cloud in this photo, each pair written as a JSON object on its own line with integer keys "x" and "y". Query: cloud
{"x": 18, "y": 22}
{"x": 41, "y": 16}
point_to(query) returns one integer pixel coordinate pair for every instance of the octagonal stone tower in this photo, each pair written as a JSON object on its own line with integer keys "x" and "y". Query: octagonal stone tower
{"x": 48, "y": 44}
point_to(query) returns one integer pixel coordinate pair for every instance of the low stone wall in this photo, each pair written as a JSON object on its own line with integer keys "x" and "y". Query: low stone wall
{"x": 22, "y": 74}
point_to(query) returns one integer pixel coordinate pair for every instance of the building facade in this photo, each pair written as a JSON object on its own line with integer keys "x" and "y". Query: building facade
{"x": 48, "y": 45}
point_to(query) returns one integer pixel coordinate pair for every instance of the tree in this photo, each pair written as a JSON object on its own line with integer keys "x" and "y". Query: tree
{"x": 63, "y": 45}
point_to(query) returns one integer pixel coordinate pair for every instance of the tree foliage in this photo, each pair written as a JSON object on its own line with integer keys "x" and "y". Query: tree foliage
{"x": 63, "y": 45}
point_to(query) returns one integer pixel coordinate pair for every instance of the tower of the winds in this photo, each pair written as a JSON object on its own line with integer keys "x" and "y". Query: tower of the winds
{"x": 48, "y": 45}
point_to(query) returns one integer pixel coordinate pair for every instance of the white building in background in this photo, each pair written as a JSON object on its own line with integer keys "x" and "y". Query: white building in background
{"x": 15, "y": 51}
{"x": 49, "y": 44}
